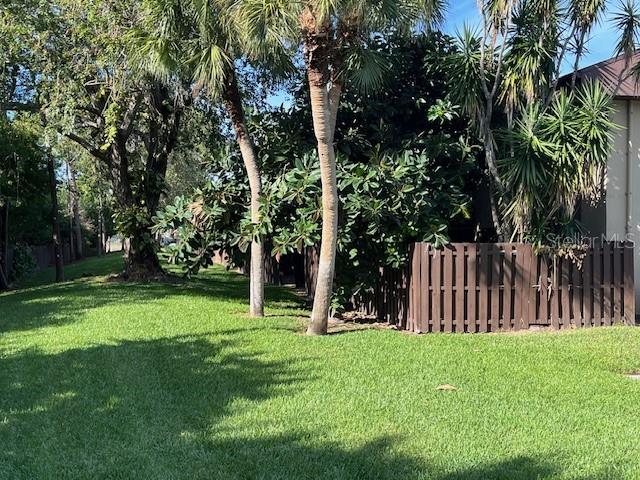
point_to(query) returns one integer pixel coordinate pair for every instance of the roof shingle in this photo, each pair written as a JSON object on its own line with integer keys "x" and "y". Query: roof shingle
{"x": 613, "y": 75}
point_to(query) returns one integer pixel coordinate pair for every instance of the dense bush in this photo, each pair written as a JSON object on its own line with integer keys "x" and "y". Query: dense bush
{"x": 405, "y": 164}
{"x": 24, "y": 262}
{"x": 384, "y": 205}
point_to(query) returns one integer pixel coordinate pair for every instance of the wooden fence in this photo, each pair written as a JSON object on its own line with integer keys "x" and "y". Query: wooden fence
{"x": 43, "y": 255}
{"x": 500, "y": 287}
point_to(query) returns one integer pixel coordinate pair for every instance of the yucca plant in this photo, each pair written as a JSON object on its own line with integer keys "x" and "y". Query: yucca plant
{"x": 558, "y": 157}
{"x": 551, "y": 143}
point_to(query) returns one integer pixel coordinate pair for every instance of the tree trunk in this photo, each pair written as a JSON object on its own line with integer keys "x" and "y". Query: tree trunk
{"x": 163, "y": 121}
{"x": 100, "y": 228}
{"x": 106, "y": 248}
{"x": 57, "y": 240}
{"x": 138, "y": 203}
{"x": 141, "y": 262}
{"x": 75, "y": 211}
{"x": 578, "y": 56}
{"x": 73, "y": 256}
{"x": 4, "y": 239}
{"x": 323, "y": 125}
{"x": 495, "y": 182}
{"x": 72, "y": 245}
{"x": 4, "y": 285}
{"x": 233, "y": 105}
{"x": 4, "y": 252}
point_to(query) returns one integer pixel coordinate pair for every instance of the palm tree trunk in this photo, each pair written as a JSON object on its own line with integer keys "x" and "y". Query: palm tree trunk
{"x": 324, "y": 109}
{"x": 55, "y": 224}
{"x": 233, "y": 104}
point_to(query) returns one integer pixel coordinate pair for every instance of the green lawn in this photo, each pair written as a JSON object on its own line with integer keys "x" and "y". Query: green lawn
{"x": 111, "y": 380}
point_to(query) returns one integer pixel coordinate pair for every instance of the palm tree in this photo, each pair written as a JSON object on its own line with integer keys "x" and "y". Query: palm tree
{"x": 332, "y": 35}
{"x": 201, "y": 39}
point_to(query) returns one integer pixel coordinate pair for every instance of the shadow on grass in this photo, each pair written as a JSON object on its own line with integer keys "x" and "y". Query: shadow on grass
{"x": 182, "y": 407}
{"x": 293, "y": 457}
{"x": 165, "y": 408}
{"x": 61, "y": 304}
{"x": 137, "y": 406}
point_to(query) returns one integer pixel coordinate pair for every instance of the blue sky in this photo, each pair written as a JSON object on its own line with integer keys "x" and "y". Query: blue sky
{"x": 601, "y": 46}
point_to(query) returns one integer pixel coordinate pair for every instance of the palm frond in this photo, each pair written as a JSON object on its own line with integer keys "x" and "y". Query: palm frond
{"x": 586, "y": 14}
{"x": 627, "y": 21}
{"x": 154, "y": 45}
{"x": 212, "y": 66}
{"x": 367, "y": 69}
{"x": 465, "y": 82}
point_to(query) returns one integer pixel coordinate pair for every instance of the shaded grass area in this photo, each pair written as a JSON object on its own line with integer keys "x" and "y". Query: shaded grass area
{"x": 112, "y": 380}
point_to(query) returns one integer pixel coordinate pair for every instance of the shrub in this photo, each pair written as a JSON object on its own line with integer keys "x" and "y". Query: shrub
{"x": 24, "y": 262}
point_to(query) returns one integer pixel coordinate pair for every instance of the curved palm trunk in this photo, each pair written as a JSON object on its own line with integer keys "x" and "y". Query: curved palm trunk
{"x": 324, "y": 104}
{"x": 233, "y": 104}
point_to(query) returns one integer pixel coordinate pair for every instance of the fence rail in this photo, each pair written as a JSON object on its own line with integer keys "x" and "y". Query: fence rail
{"x": 483, "y": 287}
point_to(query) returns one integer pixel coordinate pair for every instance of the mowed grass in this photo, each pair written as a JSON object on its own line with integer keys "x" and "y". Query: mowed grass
{"x": 111, "y": 380}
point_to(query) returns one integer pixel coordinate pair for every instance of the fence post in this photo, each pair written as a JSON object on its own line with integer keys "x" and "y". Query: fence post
{"x": 460, "y": 287}
{"x": 629, "y": 293}
{"x": 472, "y": 280}
{"x": 448, "y": 289}
{"x": 597, "y": 284}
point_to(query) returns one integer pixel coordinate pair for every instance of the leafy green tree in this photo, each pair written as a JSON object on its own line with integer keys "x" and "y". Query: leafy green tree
{"x": 405, "y": 164}
{"x": 24, "y": 200}
{"x": 78, "y": 73}
{"x": 333, "y": 36}
{"x": 211, "y": 218}
{"x": 125, "y": 119}
{"x": 188, "y": 169}
{"x": 55, "y": 222}
{"x": 553, "y": 158}
{"x": 92, "y": 196}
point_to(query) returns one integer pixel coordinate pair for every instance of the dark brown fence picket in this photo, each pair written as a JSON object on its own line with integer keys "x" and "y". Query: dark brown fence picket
{"x": 628, "y": 304}
{"x": 500, "y": 287}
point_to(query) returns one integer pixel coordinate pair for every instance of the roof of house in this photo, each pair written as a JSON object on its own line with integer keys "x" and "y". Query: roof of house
{"x": 614, "y": 76}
